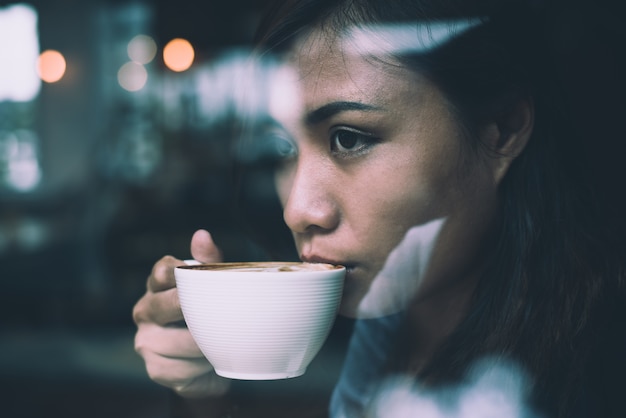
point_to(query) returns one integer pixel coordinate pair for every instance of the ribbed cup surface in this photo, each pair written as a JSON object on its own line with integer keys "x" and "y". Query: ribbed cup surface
{"x": 259, "y": 325}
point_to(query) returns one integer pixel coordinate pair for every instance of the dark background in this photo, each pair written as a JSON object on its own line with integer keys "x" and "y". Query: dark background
{"x": 76, "y": 251}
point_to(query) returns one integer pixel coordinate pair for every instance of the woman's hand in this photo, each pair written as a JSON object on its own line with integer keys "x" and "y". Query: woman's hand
{"x": 171, "y": 355}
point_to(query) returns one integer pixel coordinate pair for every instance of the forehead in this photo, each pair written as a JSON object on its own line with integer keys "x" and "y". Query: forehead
{"x": 325, "y": 67}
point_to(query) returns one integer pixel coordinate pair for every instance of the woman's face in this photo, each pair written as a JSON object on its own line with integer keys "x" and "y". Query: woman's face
{"x": 373, "y": 151}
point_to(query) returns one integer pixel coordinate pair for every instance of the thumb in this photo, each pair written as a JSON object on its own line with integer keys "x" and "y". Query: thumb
{"x": 203, "y": 249}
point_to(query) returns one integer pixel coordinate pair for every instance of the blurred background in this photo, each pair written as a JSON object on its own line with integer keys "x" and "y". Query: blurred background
{"x": 117, "y": 120}
{"x": 115, "y": 137}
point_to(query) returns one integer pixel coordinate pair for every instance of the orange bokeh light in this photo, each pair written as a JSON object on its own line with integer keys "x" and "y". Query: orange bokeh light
{"x": 178, "y": 55}
{"x": 51, "y": 66}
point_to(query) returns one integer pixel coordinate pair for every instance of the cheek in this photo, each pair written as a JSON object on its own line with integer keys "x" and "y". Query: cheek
{"x": 466, "y": 237}
{"x": 418, "y": 190}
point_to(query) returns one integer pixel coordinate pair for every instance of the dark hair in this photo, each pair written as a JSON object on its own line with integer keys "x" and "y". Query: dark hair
{"x": 555, "y": 279}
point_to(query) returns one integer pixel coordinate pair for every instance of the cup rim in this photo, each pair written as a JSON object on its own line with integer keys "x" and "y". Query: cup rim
{"x": 236, "y": 266}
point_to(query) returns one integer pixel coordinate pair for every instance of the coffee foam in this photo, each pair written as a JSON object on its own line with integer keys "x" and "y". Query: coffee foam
{"x": 264, "y": 266}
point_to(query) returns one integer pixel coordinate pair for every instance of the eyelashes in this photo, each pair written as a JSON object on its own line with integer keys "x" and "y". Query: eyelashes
{"x": 350, "y": 142}
{"x": 343, "y": 143}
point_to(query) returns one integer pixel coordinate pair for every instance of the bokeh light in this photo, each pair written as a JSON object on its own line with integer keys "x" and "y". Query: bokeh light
{"x": 142, "y": 49}
{"x": 132, "y": 76}
{"x": 178, "y": 54}
{"x": 19, "y": 51}
{"x": 51, "y": 66}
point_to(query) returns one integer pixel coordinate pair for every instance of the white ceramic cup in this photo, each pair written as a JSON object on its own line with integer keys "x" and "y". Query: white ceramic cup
{"x": 260, "y": 321}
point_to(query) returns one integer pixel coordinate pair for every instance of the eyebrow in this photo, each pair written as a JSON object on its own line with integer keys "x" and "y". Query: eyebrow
{"x": 328, "y": 110}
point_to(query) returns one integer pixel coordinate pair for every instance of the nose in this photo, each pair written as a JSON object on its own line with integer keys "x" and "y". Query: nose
{"x": 311, "y": 205}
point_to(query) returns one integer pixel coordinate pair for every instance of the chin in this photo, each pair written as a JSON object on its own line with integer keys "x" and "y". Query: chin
{"x": 356, "y": 288}
{"x": 359, "y": 302}
{"x": 349, "y": 301}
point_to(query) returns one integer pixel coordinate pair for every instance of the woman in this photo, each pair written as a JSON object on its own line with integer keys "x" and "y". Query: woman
{"x": 449, "y": 121}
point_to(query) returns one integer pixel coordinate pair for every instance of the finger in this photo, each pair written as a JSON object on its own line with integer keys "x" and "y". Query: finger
{"x": 161, "y": 308}
{"x": 208, "y": 384}
{"x": 167, "y": 342}
{"x": 204, "y": 249}
{"x": 162, "y": 276}
{"x": 172, "y": 372}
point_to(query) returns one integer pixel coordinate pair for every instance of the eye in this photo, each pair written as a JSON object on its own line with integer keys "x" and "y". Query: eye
{"x": 280, "y": 147}
{"x": 284, "y": 148}
{"x": 350, "y": 141}
{"x": 271, "y": 145}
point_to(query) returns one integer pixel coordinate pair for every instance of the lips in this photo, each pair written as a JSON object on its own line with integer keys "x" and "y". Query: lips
{"x": 318, "y": 259}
